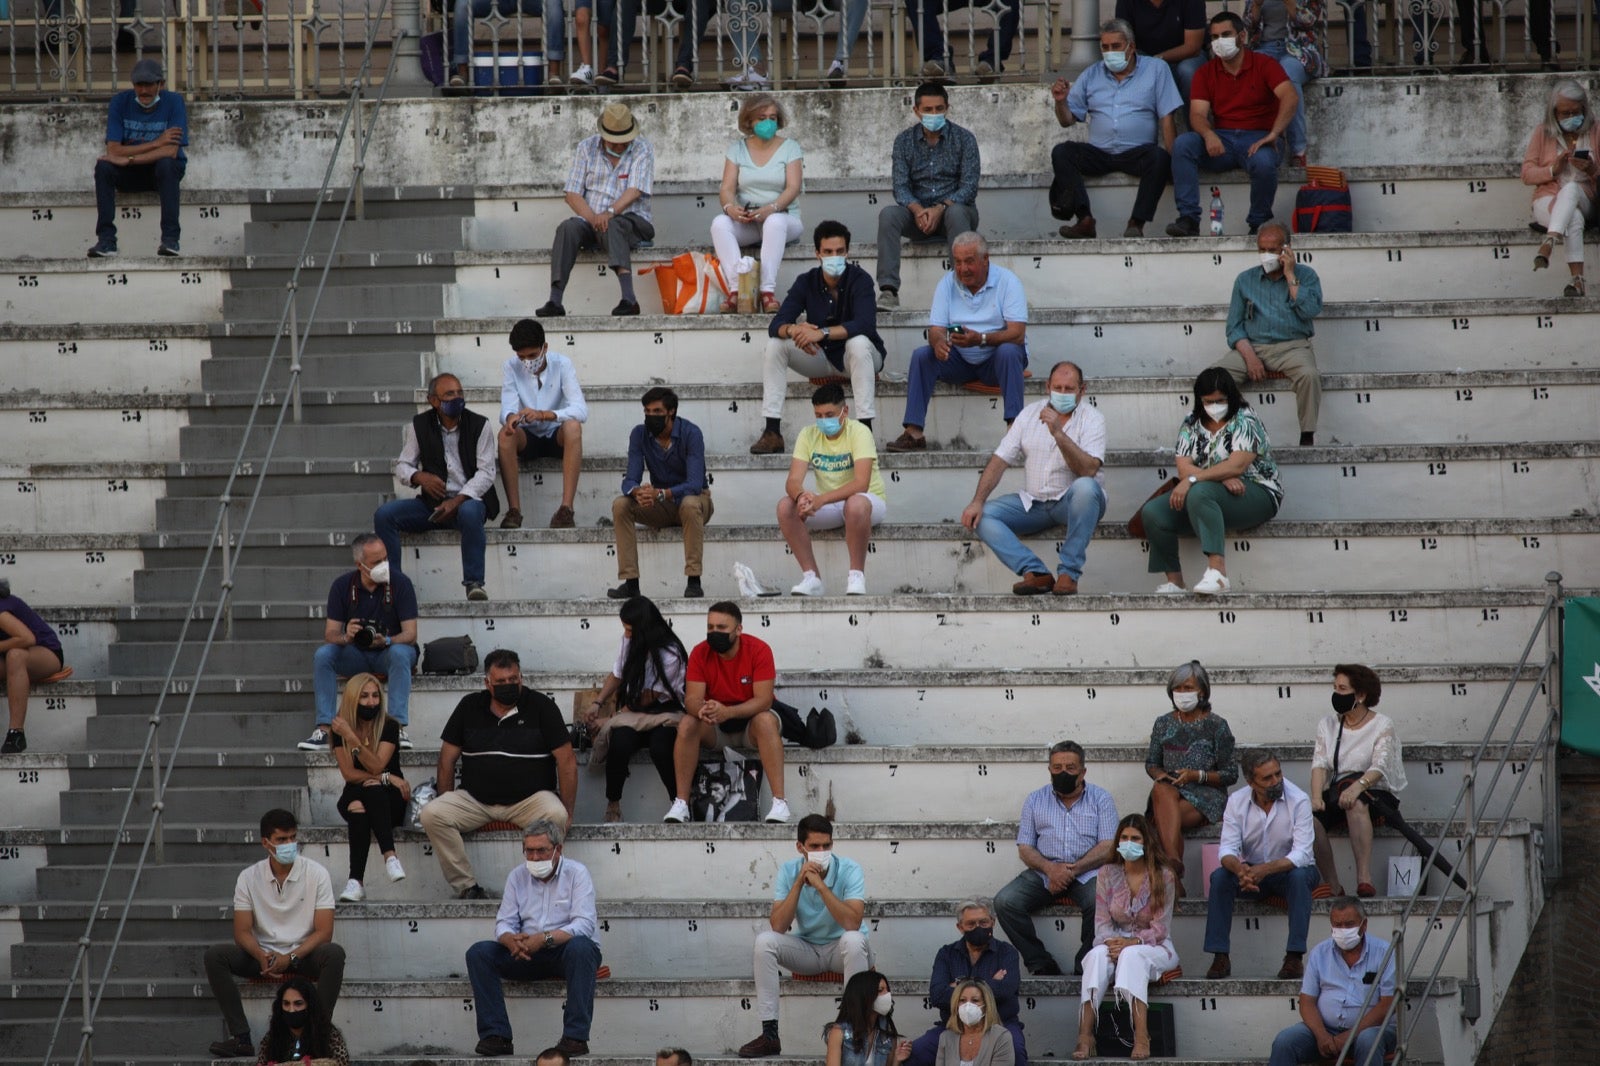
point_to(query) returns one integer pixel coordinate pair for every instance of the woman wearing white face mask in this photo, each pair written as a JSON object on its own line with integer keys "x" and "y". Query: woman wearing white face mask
{"x": 1227, "y": 479}
{"x": 864, "y": 1033}
{"x": 759, "y": 194}
{"x": 1192, "y": 762}
{"x": 1133, "y": 898}
{"x": 974, "y": 1035}
{"x": 1560, "y": 163}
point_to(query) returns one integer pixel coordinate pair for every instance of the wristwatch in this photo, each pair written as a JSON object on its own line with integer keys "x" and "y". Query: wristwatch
{"x": 294, "y": 962}
{"x": 1193, "y": 480}
{"x": 549, "y": 940}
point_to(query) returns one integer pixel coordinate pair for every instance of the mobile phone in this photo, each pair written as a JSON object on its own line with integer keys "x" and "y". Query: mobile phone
{"x": 1581, "y": 153}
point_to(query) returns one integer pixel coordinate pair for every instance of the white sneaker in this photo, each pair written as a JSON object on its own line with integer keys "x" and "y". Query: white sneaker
{"x": 750, "y": 79}
{"x": 779, "y": 811}
{"x": 836, "y": 73}
{"x": 1167, "y": 588}
{"x": 392, "y": 867}
{"x": 405, "y": 741}
{"x": 856, "y": 585}
{"x": 584, "y": 75}
{"x": 678, "y": 813}
{"x": 353, "y": 892}
{"x": 810, "y": 585}
{"x": 1211, "y": 583}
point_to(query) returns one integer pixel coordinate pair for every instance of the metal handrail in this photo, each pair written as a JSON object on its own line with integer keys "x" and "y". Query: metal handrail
{"x": 222, "y": 535}
{"x": 1469, "y": 861}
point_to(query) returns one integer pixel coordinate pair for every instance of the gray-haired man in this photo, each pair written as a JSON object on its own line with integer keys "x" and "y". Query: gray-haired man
{"x": 975, "y": 956}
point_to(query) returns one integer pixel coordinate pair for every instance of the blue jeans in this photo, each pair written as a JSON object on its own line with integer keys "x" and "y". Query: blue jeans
{"x": 411, "y": 516}
{"x": 1297, "y": 1044}
{"x": 925, "y": 1048}
{"x": 1189, "y": 157}
{"x": 163, "y": 176}
{"x": 746, "y": 22}
{"x": 1294, "y": 886}
{"x": 1183, "y": 72}
{"x": 555, "y": 27}
{"x": 467, "y": 10}
{"x": 924, "y": 15}
{"x": 1005, "y": 522}
{"x": 490, "y": 962}
{"x": 1002, "y": 369}
{"x": 1297, "y": 74}
{"x": 332, "y": 660}
{"x": 1016, "y": 904}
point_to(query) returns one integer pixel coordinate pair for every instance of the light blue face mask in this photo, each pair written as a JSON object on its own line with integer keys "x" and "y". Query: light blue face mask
{"x": 286, "y": 853}
{"x": 830, "y": 426}
{"x": 833, "y": 265}
{"x": 766, "y": 129}
{"x": 933, "y": 123}
{"x": 1131, "y": 850}
{"x": 1572, "y": 123}
{"x": 1064, "y": 402}
{"x": 1116, "y": 62}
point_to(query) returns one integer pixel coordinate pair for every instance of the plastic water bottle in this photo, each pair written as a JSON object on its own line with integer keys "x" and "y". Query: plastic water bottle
{"x": 1216, "y": 211}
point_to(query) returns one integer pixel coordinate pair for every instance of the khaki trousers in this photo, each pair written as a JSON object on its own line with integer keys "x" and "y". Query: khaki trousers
{"x": 456, "y": 812}
{"x": 691, "y": 512}
{"x": 1294, "y": 360}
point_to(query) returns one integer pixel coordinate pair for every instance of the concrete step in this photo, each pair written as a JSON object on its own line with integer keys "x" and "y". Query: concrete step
{"x": 101, "y": 806}
{"x": 107, "y": 497}
{"x": 335, "y": 511}
{"x": 76, "y": 357}
{"x": 46, "y": 429}
{"x": 288, "y": 237}
{"x": 375, "y": 300}
{"x": 59, "y": 224}
{"x": 64, "y": 293}
{"x": 379, "y": 370}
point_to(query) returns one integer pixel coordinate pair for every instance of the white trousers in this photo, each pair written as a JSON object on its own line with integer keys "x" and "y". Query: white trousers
{"x": 1133, "y": 971}
{"x": 861, "y": 362}
{"x": 776, "y": 232}
{"x": 1564, "y": 214}
{"x": 849, "y": 955}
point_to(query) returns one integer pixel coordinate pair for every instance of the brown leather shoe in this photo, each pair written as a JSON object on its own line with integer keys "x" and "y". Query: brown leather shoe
{"x": 1032, "y": 585}
{"x": 1081, "y": 230}
{"x": 761, "y": 1047}
{"x": 1221, "y": 966}
{"x": 562, "y": 519}
{"x": 572, "y": 1046}
{"x": 1294, "y": 968}
{"x": 1066, "y": 585}
{"x": 905, "y": 442}
{"x": 769, "y": 443}
{"x": 512, "y": 520}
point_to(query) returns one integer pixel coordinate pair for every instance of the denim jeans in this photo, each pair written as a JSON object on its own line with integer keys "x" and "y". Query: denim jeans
{"x": 411, "y": 516}
{"x": 1189, "y": 157}
{"x": 1294, "y": 886}
{"x": 1005, "y": 522}
{"x": 395, "y": 662}
{"x": 696, "y": 14}
{"x": 467, "y": 10}
{"x": 555, "y": 27}
{"x": 163, "y": 177}
{"x": 1297, "y": 74}
{"x": 1027, "y": 893}
{"x": 1298, "y": 1044}
{"x": 924, "y": 15}
{"x": 490, "y": 962}
{"x": 1002, "y": 369}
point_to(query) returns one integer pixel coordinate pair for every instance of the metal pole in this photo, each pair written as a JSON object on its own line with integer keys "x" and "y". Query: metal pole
{"x": 294, "y": 349}
{"x": 357, "y": 166}
{"x": 1471, "y": 1007}
{"x": 88, "y": 1026}
{"x": 1552, "y": 762}
{"x": 1085, "y": 51}
{"x": 407, "y": 78}
{"x": 227, "y": 564}
{"x": 158, "y": 795}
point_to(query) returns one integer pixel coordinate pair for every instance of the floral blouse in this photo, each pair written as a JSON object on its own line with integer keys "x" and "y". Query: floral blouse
{"x": 1300, "y": 31}
{"x": 1203, "y": 744}
{"x": 1242, "y": 433}
{"x": 1117, "y": 912}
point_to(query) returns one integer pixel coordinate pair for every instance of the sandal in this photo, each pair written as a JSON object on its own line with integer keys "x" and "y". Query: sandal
{"x": 1577, "y": 287}
{"x": 1542, "y": 260}
{"x": 769, "y": 303}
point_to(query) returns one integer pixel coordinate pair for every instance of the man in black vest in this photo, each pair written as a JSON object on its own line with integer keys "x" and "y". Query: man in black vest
{"x": 448, "y": 455}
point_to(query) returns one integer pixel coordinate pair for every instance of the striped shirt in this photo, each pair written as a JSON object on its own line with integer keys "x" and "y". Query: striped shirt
{"x": 506, "y": 759}
{"x": 1030, "y": 444}
{"x": 600, "y": 183}
{"x": 1066, "y": 834}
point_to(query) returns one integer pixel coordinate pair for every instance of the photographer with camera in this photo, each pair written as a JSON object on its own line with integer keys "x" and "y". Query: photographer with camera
{"x": 371, "y": 628}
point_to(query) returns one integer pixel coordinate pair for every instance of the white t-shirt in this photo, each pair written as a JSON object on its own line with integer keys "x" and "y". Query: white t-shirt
{"x": 672, "y": 686}
{"x": 284, "y": 915}
{"x": 1372, "y": 747}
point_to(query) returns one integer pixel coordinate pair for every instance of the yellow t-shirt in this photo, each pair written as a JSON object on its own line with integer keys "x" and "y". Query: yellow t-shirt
{"x": 833, "y": 462}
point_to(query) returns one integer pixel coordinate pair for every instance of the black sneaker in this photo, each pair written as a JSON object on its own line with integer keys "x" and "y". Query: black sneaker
{"x": 103, "y": 251}
{"x": 496, "y": 1046}
{"x": 626, "y": 307}
{"x": 692, "y": 589}
{"x": 235, "y": 1047}
{"x": 317, "y": 741}
{"x": 627, "y": 590}
{"x": 475, "y": 591}
{"x": 477, "y": 892}
{"x": 551, "y": 309}
{"x": 168, "y": 251}
{"x": 16, "y": 743}
{"x": 1184, "y": 227}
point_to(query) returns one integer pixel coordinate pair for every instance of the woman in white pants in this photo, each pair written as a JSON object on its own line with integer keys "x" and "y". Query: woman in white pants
{"x": 1560, "y": 163}
{"x": 759, "y": 194}
{"x": 1133, "y": 900}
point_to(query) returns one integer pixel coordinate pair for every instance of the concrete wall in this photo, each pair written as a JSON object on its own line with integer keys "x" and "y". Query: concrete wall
{"x": 1354, "y": 122}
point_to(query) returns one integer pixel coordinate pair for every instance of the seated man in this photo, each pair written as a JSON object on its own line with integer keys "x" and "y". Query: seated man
{"x": 1270, "y": 325}
{"x": 282, "y": 924}
{"x": 542, "y": 412}
{"x": 1340, "y": 973}
{"x": 32, "y": 653}
{"x": 849, "y": 491}
{"x": 1065, "y": 835}
{"x": 977, "y": 331}
{"x": 1128, "y": 101}
{"x": 673, "y": 450}
{"x": 1266, "y": 851}
{"x": 839, "y": 334}
{"x": 546, "y": 927}
{"x": 936, "y": 59}
{"x": 447, "y": 454}
{"x": 1174, "y": 33}
{"x": 1239, "y": 105}
{"x": 822, "y": 898}
{"x": 1060, "y": 442}
{"x": 608, "y": 189}
{"x": 518, "y": 754}
{"x": 975, "y": 956}
{"x": 370, "y": 627}
{"x": 935, "y": 185}
{"x": 147, "y": 129}
{"x": 727, "y": 702}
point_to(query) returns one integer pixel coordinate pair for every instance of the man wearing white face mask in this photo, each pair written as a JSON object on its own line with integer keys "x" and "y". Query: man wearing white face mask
{"x": 1060, "y": 442}
{"x": 822, "y": 897}
{"x": 1271, "y": 320}
{"x": 147, "y": 129}
{"x": 542, "y": 412}
{"x": 1340, "y": 973}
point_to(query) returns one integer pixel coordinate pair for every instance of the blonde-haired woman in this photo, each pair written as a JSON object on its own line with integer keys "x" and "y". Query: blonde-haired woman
{"x": 759, "y": 195}
{"x": 974, "y": 1035}
{"x": 1560, "y": 163}
{"x": 1132, "y": 922}
{"x": 366, "y": 747}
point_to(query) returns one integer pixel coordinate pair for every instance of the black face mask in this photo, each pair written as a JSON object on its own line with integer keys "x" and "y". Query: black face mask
{"x": 1275, "y": 793}
{"x": 367, "y": 714}
{"x": 1064, "y": 783}
{"x": 506, "y": 695}
{"x": 655, "y": 424}
{"x": 979, "y": 936}
{"x": 296, "y": 1019}
{"x": 1343, "y": 702}
{"x": 721, "y": 643}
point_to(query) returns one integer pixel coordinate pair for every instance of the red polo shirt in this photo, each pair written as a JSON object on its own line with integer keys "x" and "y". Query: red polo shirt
{"x": 1242, "y": 101}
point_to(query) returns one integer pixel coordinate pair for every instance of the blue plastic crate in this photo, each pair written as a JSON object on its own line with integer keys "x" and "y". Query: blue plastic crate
{"x": 517, "y": 74}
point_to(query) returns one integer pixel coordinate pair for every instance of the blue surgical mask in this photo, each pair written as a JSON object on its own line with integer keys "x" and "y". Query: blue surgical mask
{"x": 830, "y": 426}
{"x": 933, "y": 123}
{"x": 1064, "y": 401}
{"x": 453, "y": 408}
{"x": 766, "y": 129}
{"x": 286, "y": 853}
{"x": 833, "y": 265}
{"x": 1116, "y": 62}
{"x": 1572, "y": 123}
{"x": 1131, "y": 850}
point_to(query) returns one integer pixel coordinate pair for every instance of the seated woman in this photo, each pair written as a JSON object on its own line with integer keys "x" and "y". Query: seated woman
{"x": 1227, "y": 479}
{"x": 366, "y": 748}
{"x": 974, "y": 1035}
{"x": 1191, "y": 761}
{"x": 647, "y": 681}
{"x": 1560, "y": 163}
{"x": 32, "y": 652}
{"x": 864, "y": 1033}
{"x": 760, "y": 187}
{"x": 1356, "y": 760}
{"x": 1133, "y": 897}
{"x": 1287, "y": 31}
{"x": 300, "y": 1031}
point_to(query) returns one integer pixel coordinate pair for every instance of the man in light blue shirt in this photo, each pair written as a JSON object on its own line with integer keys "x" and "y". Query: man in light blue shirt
{"x": 977, "y": 331}
{"x": 818, "y": 901}
{"x": 546, "y": 927}
{"x": 542, "y": 413}
{"x": 1340, "y": 974}
{"x": 1129, "y": 101}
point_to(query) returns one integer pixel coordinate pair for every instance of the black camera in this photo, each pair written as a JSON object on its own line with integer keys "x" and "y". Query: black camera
{"x": 367, "y": 636}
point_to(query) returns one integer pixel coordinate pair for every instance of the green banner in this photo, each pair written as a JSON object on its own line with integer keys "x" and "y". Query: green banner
{"x": 1580, "y": 675}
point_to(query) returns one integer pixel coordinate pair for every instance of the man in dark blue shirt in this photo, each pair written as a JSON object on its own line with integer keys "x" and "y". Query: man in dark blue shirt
{"x": 146, "y": 131}
{"x": 839, "y": 334}
{"x": 674, "y": 451}
{"x": 977, "y": 956}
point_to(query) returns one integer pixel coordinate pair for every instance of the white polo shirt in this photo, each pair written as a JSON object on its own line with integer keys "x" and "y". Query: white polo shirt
{"x": 284, "y": 914}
